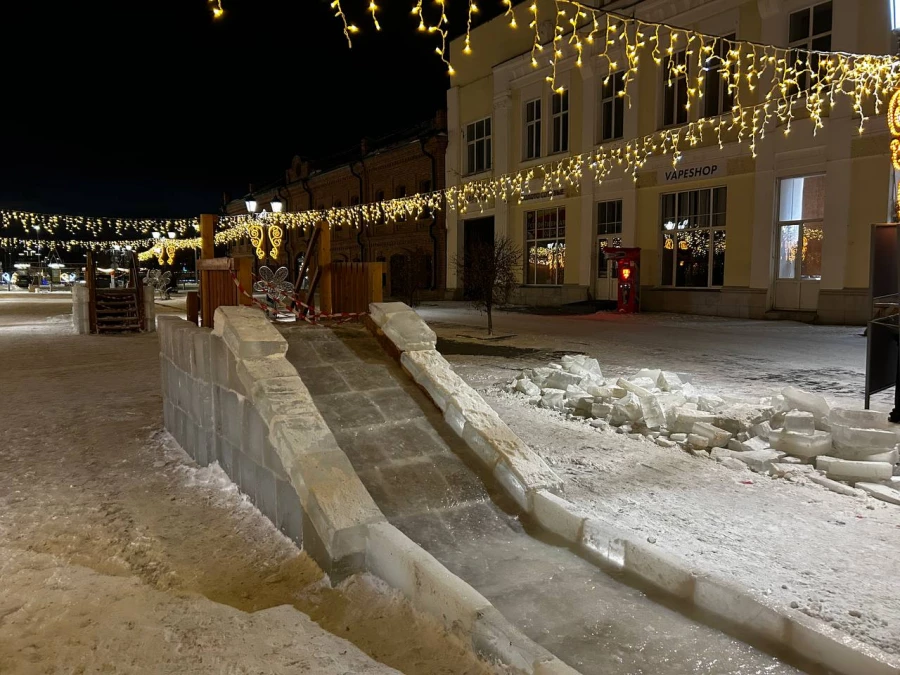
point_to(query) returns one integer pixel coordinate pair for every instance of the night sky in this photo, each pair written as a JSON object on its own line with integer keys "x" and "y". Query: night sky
{"x": 150, "y": 108}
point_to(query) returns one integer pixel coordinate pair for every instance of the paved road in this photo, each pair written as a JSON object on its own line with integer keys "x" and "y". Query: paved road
{"x": 417, "y": 471}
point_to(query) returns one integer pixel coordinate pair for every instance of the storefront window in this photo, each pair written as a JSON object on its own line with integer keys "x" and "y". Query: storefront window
{"x": 693, "y": 238}
{"x": 801, "y": 212}
{"x": 545, "y": 245}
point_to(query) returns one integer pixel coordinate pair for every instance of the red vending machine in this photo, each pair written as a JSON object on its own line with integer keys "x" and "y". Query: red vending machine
{"x": 629, "y": 264}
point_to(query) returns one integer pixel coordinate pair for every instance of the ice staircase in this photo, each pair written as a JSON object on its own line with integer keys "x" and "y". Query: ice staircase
{"x": 427, "y": 484}
{"x": 117, "y": 310}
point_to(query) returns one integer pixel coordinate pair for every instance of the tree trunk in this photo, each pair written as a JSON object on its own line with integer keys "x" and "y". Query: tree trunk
{"x": 490, "y": 315}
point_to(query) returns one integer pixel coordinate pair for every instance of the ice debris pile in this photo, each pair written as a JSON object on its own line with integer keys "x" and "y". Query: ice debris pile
{"x": 789, "y": 435}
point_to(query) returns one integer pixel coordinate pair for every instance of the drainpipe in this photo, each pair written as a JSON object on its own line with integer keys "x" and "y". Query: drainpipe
{"x": 359, "y": 231}
{"x": 434, "y": 241}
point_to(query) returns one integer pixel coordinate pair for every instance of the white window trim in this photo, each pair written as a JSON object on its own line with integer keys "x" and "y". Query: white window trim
{"x": 801, "y": 222}
{"x": 526, "y": 241}
{"x": 527, "y": 126}
{"x": 722, "y": 84}
{"x": 805, "y": 44}
{"x": 563, "y": 114}
{"x": 489, "y": 155}
{"x": 601, "y": 100}
{"x": 663, "y": 86}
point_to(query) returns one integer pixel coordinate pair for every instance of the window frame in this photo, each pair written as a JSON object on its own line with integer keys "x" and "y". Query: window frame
{"x": 805, "y": 45}
{"x": 559, "y": 123}
{"x": 556, "y": 240}
{"x": 673, "y": 87}
{"x": 533, "y": 129}
{"x": 801, "y": 222}
{"x": 711, "y": 228}
{"x": 721, "y": 86}
{"x": 616, "y": 103}
{"x": 603, "y": 230}
{"x": 479, "y": 146}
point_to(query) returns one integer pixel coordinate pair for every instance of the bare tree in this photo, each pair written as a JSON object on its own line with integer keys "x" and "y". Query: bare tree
{"x": 489, "y": 271}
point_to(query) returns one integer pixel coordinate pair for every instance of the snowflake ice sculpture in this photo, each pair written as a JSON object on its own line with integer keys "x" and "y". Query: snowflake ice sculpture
{"x": 273, "y": 284}
{"x": 159, "y": 281}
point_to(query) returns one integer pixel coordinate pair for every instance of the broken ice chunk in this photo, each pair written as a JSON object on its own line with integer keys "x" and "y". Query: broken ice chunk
{"x": 561, "y": 380}
{"x": 626, "y": 409}
{"x": 527, "y": 387}
{"x": 800, "y": 422}
{"x": 797, "y": 399}
{"x": 668, "y": 381}
{"x": 554, "y": 399}
{"x": 648, "y": 373}
{"x": 634, "y": 388}
{"x": 801, "y": 444}
{"x": 710, "y": 402}
{"x": 654, "y": 415}
{"x": 718, "y": 438}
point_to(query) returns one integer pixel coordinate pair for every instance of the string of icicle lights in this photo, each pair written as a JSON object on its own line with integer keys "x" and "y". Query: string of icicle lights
{"x": 99, "y": 227}
{"x": 771, "y": 89}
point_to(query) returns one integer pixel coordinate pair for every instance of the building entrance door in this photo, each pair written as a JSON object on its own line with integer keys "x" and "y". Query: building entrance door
{"x": 606, "y": 286}
{"x": 798, "y": 238}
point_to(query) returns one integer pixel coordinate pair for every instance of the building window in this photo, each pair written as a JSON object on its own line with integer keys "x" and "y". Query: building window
{"x": 545, "y": 243}
{"x": 609, "y": 231}
{"x": 425, "y": 186}
{"x": 478, "y": 146}
{"x": 719, "y": 98}
{"x": 693, "y": 238}
{"x": 336, "y": 205}
{"x": 810, "y": 30}
{"x": 354, "y": 200}
{"x": 533, "y": 129}
{"x": 675, "y": 90}
{"x": 799, "y": 234}
{"x": 560, "y": 110}
{"x": 612, "y": 107}
{"x": 400, "y": 192}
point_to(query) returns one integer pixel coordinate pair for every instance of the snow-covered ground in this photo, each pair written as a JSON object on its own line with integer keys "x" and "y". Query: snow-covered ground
{"x": 118, "y": 554}
{"x": 730, "y": 356}
{"x": 828, "y": 555}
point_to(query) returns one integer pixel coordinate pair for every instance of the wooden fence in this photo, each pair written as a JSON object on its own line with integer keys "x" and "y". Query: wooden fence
{"x": 354, "y": 285}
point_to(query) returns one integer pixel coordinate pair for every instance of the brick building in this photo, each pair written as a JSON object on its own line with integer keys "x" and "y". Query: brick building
{"x": 414, "y": 251}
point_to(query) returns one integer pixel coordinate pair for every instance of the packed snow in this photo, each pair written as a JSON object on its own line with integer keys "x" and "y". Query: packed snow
{"x": 119, "y": 554}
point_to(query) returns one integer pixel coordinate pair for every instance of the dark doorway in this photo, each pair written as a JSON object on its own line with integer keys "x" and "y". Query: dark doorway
{"x": 477, "y": 231}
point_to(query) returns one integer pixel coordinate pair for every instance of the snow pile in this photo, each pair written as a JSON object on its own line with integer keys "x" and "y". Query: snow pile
{"x": 789, "y": 435}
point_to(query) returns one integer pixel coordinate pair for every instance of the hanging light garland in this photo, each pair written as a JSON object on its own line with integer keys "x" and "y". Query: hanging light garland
{"x": 779, "y": 86}
{"x": 98, "y": 227}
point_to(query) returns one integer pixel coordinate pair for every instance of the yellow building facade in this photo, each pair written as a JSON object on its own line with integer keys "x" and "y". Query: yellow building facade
{"x": 782, "y": 234}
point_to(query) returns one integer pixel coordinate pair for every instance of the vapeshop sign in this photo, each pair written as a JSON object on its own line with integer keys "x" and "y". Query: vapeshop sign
{"x": 695, "y": 172}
